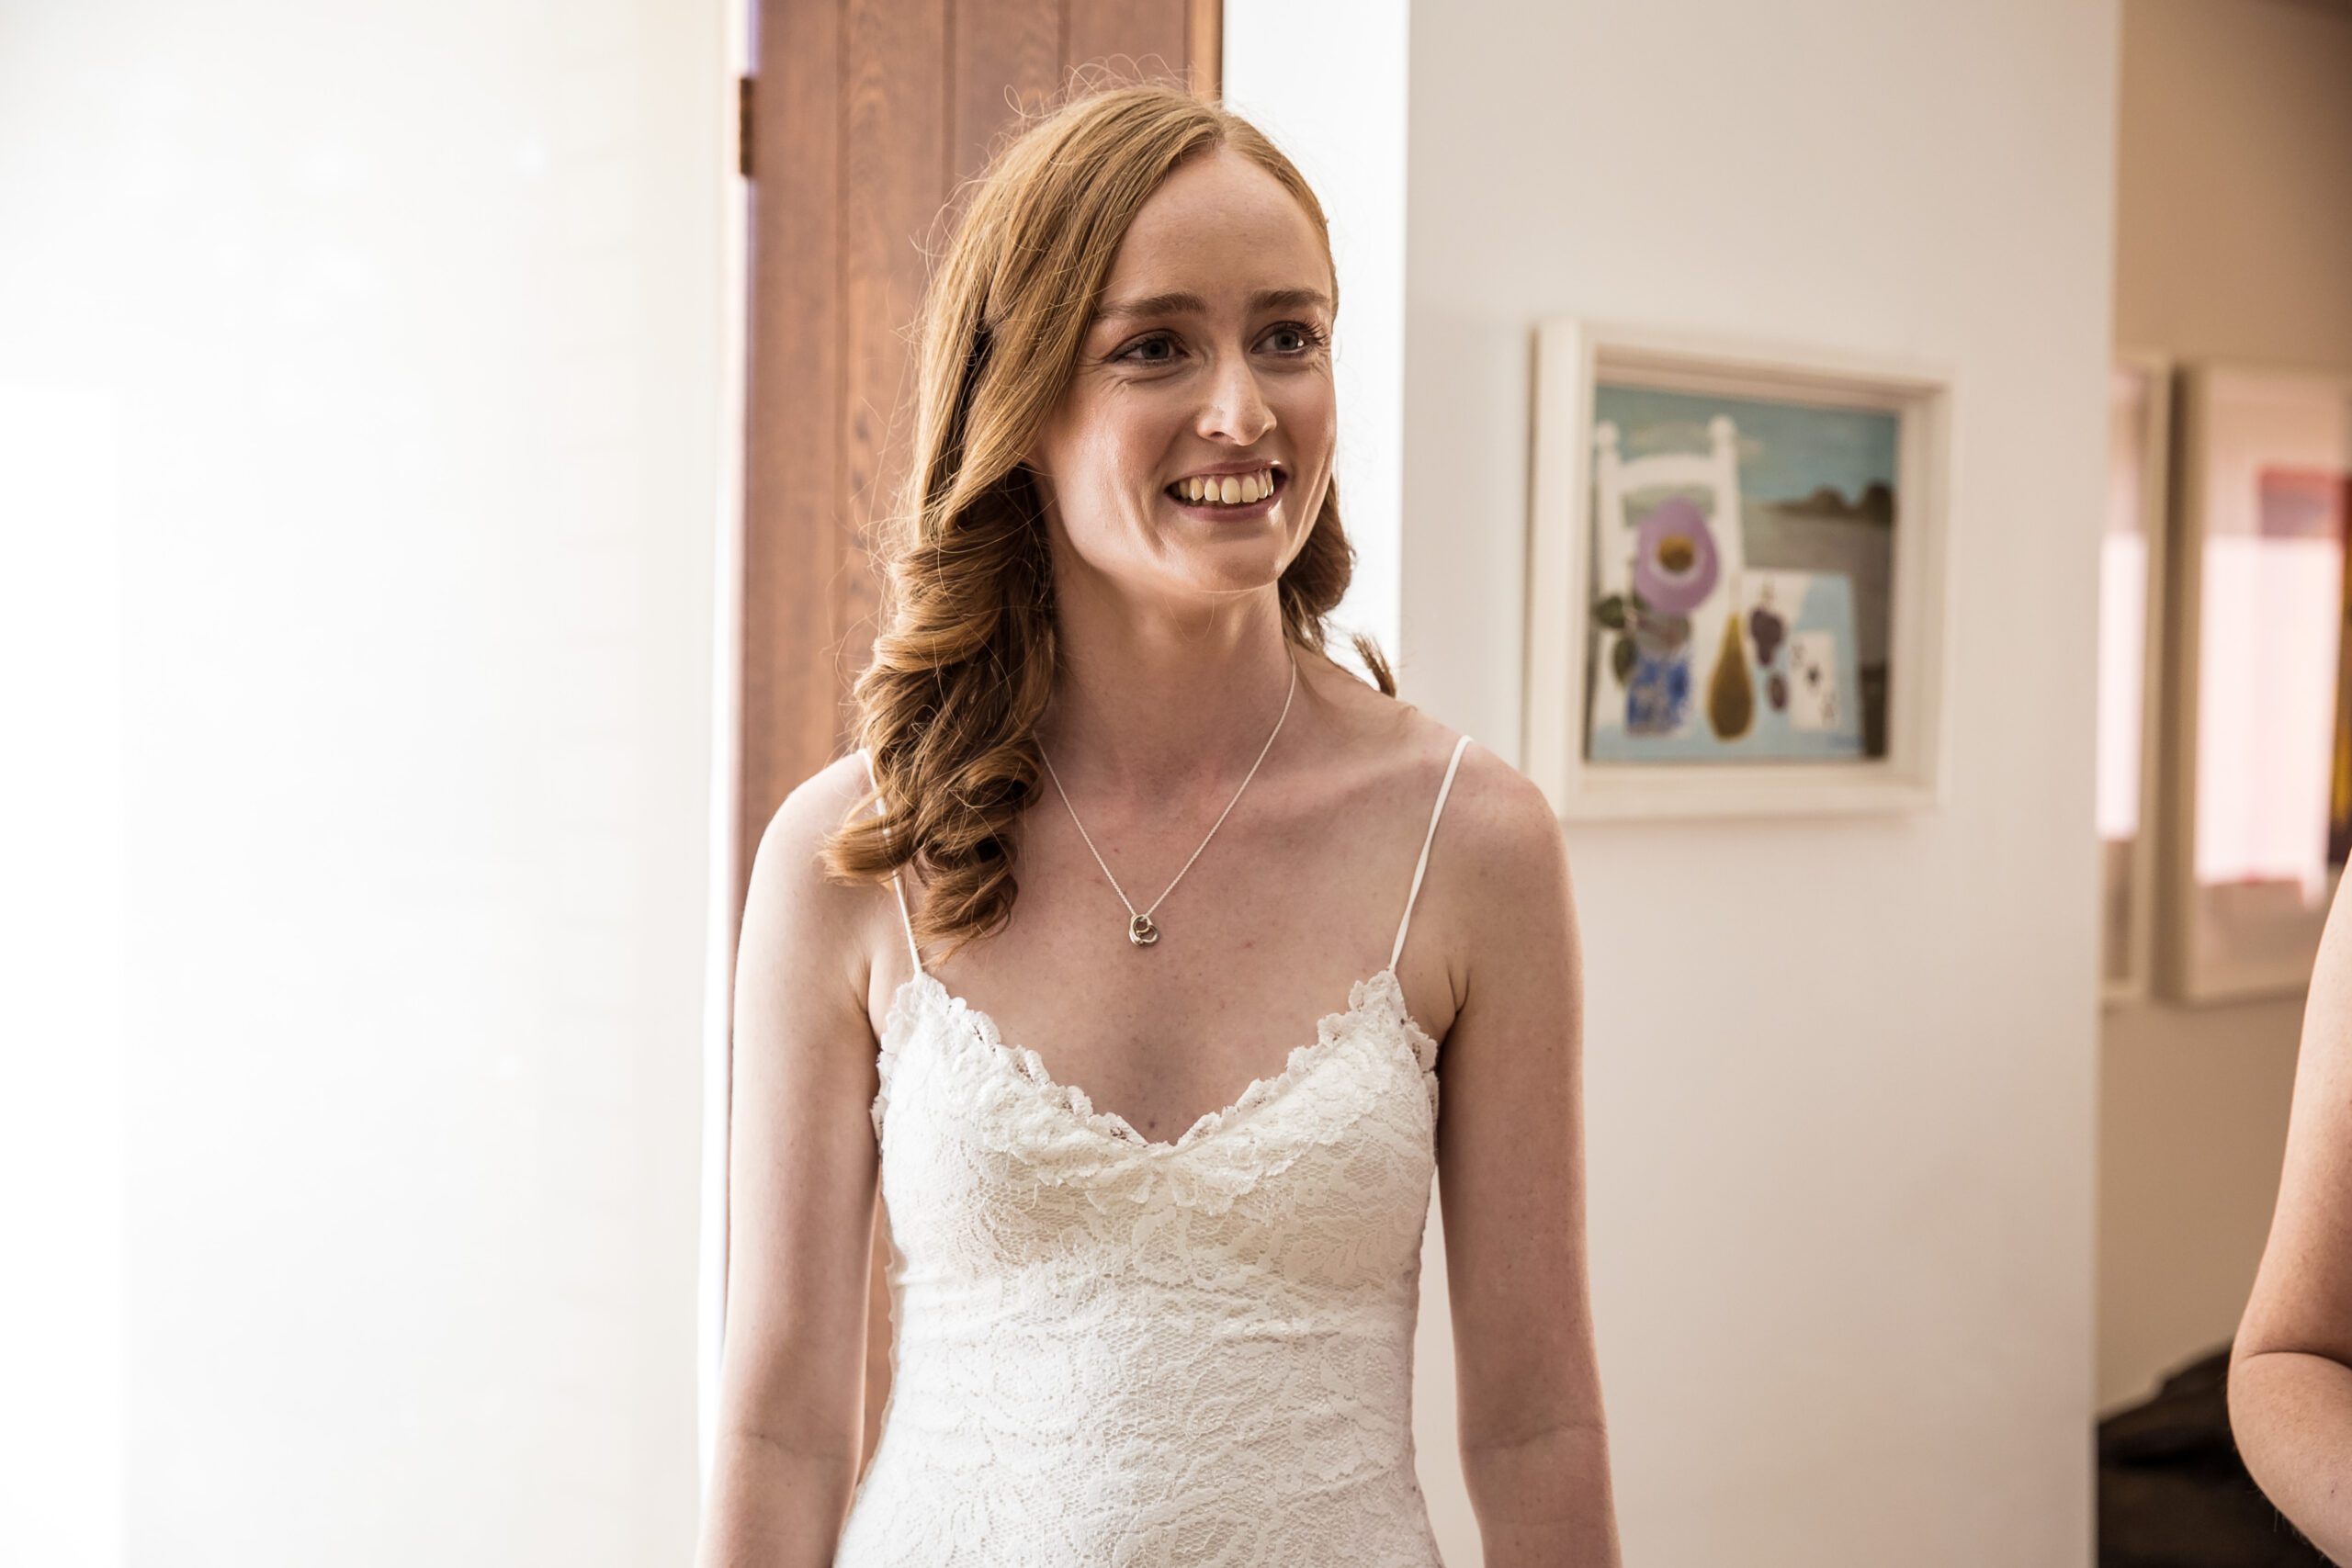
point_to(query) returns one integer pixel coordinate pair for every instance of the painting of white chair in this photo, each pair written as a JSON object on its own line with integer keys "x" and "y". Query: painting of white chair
{"x": 1711, "y": 658}
{"x": 1720, "y": 618}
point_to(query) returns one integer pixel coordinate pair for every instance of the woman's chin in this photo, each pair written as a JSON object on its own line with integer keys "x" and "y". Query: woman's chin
{"x": 1227, "y": 566}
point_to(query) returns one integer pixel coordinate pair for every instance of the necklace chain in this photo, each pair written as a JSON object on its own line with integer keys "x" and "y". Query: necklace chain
{"x": 1141, "y": 929}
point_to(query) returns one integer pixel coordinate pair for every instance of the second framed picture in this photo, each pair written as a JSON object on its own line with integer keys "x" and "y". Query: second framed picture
{"x": 2259, "y": 807}
{"x": 1736, "y": 577}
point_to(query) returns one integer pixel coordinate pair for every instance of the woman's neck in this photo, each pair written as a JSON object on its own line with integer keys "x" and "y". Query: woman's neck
{"x": 1148, "y": 714}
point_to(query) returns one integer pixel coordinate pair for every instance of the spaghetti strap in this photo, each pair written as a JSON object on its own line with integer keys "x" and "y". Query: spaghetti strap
{"x": 906, "y": 918}
{"x": 1423, "y": 865}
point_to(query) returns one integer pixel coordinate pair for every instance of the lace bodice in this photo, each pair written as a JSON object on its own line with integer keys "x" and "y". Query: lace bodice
{"x": 1115, "y": 1350}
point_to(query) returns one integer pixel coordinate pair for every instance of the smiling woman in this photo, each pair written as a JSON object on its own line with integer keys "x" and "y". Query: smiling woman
{"x": 1179, "y": 1331}
{"x": 1067, "y": 454}
{"x": 1163, "y": 371}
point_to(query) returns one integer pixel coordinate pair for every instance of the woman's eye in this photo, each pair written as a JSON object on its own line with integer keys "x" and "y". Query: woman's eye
{"x": 1308, "y": 338}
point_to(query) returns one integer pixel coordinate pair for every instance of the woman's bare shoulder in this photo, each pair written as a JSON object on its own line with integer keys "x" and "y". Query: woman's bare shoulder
{"x": 795, "y": 912}
{"x": 1498, "y": 856}
{"x": 1505, "y": 817}
{"x": 1498, "y": 853}
{"x": 1494, "y": 814}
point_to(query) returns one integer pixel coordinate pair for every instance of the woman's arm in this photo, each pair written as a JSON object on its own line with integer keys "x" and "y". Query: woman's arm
{"x": 1510, "y": 1183}
{"x": 801, "y": 1174}
{"x": 2291, "y": 1368}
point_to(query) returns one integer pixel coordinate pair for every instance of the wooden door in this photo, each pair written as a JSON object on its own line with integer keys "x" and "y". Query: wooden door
{"x": 863, "y": 116}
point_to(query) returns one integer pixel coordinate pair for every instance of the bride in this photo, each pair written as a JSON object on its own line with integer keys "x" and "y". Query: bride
{"x": 1153, "y": 1084}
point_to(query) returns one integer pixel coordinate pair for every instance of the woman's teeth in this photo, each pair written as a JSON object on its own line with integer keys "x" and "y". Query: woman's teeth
{"x": 1226, "y": 490}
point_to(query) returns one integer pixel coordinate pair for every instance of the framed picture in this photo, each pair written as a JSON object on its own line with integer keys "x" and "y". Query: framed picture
{"x": 2258, "y": 814}
{"x": 1736, "y": 583}
{"x": 2130, "y": 667}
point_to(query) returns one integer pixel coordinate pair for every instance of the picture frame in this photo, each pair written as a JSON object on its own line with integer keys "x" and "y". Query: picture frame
{"x": 2133, "y": 571}
{"x": 1620, "y": 732}
{"x": 2257, "y": 814}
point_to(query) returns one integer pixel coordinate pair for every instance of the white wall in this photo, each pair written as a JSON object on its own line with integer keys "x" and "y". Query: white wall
{"x": 2234, "y": 239}
{"x": 382, "y": 352}
{"x": 1839, "y": 1074}
{"x": 63, "y": 1346}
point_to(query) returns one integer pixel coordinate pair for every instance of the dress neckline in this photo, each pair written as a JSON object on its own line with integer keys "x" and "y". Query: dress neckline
{"x": 1365, "y": 996}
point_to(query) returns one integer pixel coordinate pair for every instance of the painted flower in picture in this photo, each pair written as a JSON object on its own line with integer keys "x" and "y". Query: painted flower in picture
{"x": 1675, "y": 559}
{"x": 1675, "y": 566}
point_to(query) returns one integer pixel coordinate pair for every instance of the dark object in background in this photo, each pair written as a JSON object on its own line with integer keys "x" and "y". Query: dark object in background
{"x": 2174, "y": 1494}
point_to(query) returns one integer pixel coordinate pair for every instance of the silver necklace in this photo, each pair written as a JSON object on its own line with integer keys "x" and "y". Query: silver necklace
{"x": 1140, "y": 929}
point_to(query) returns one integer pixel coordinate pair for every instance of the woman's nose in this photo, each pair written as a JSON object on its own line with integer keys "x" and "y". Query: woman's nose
{"x": 1237, "y": 411}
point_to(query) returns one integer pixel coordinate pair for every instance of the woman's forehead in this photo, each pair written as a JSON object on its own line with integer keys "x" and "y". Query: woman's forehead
{"x": 1222, "y": 231}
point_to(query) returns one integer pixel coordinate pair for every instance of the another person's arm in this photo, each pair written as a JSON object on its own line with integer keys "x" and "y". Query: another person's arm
{"x": 2291, "y": 1368}
{"x": 801, "y": 1175}
{"x": 1510, "y": 1186}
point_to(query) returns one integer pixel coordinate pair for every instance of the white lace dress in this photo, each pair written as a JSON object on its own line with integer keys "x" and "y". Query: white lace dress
{"x": 1111, "y": 1350}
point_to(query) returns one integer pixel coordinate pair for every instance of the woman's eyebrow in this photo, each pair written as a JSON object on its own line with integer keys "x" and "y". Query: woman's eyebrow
{"x": 1177, "y": 304}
